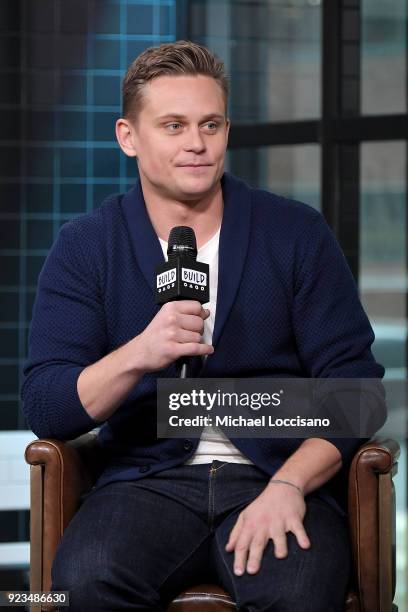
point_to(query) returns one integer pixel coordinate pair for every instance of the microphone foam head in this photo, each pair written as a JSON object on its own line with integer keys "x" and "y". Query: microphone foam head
{"x": 182, "y": 241}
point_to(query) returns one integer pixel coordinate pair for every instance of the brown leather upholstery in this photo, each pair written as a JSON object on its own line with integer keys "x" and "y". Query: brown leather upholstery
{"x": 62, "y": 471}
{"x": 203, "y": 597}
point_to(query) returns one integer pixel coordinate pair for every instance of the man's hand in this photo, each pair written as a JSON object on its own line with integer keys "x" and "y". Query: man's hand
{"x": 176, "y": 331}
{"x": 278, "y": 509}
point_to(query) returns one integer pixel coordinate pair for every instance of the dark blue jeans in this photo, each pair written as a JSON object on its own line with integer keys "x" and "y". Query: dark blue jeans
{"x": 135, "y": 545}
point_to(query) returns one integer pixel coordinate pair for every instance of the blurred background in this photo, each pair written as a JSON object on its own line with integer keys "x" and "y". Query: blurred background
{"x": 319, "y": 113}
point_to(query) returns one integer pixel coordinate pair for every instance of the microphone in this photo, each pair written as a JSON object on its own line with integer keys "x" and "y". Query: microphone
{"x": 182, "y": 277}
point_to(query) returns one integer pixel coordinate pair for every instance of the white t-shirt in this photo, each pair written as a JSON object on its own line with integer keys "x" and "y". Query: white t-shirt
{"x": 213, "y": 444}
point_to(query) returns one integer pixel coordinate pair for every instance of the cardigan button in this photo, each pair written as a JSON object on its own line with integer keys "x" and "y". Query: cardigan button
{"x": 187, "y": 445}
{"x": 144, "y": 468}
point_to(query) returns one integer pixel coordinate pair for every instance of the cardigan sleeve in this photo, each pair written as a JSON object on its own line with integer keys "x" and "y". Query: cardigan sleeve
{"x": 67, "y": 333}
{"x": 333, "y": 333}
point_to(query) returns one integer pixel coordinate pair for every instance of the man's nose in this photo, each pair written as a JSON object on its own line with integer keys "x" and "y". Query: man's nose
{"x": 194, "y": 140}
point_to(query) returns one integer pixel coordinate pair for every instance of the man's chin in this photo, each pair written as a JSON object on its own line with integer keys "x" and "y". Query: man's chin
{"x": 197, "y": 187}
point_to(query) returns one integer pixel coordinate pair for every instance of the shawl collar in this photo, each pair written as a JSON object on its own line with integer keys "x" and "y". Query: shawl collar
{"x": 234, "y": 238}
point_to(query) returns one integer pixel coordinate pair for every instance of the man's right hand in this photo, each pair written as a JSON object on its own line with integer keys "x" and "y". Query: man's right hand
{"x": 176, "y": 331}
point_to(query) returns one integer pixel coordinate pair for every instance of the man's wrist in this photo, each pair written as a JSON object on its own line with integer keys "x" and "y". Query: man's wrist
{"x": 134, "y": 357}
{"x": 286, "y": 482}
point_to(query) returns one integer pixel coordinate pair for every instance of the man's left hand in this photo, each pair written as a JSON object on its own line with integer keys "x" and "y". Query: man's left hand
{"x": 278, "y": 509}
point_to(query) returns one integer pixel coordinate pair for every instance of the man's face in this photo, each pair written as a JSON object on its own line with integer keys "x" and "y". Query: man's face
{"x": 181, "y": 136}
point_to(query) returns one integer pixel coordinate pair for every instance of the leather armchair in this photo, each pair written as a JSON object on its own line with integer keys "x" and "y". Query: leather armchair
{"x": 62, "y": 471}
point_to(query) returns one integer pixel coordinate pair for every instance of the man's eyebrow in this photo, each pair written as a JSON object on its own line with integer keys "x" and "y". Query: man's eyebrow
{"x": 178, "y": 116}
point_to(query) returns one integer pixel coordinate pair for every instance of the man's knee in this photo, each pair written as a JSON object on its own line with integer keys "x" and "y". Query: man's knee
{"x": 92, "y": 587}
{"x": 296, "y": 599}
{"x": 83, "y": 588}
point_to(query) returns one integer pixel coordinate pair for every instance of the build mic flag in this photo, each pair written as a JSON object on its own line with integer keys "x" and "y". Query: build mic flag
{"x": 182, "y": 277}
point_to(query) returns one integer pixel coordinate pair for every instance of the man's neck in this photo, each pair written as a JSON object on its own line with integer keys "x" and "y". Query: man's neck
{"x": 203, "y": 215}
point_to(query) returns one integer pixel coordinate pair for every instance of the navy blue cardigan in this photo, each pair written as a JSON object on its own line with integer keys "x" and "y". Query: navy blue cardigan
{"x": 287, "y": 306}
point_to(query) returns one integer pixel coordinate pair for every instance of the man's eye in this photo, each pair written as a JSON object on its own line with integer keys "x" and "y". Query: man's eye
{"x": 212, "y": 125}
{"x": 172, "y": 125}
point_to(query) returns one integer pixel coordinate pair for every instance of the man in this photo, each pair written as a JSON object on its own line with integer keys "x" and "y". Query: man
{"x": 262, "y": 514}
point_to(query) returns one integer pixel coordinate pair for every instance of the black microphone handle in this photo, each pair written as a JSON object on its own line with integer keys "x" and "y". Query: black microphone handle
{"x": 187, "y": 365}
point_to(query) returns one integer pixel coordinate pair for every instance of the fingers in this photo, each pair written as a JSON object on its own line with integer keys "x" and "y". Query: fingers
{"x": 249, "y": 545}
{"x": 256, "y": 550}
{"x": 176, "y": 331}
{"x": 191, "y": 322}
{"x": 192, "y": 307}
{"x": 184, "y": 328}
{"x": 189, "y": 349}
{"x": 281, "y": 545}
{"x": 301, "y": 536}
{"x": 241, "y": 553}
{"x": 249, "y": 549}
{"x": 205, "y": 313}
{"x": 184, "y": 336}
{"x": 235, "y": 531}
{"x": 280, "y": 541}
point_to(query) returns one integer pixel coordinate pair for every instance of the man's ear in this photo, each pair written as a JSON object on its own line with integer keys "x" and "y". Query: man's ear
{"x": 126, "y": 137}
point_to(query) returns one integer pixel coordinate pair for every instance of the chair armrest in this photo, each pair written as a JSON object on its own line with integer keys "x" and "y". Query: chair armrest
{"x": 372, "y": 522}
{"x": 65, "y": 463}
{"x": 58, "y": 476}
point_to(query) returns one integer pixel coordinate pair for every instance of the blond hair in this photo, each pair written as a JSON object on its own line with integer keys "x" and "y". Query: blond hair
{"x": 179, "y": 58}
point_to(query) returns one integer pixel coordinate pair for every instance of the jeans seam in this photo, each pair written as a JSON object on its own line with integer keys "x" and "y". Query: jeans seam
{"x": 237, "y": 602}
{"x": 213, "y": 500}
{"x": 210, "y": 493}
{"x": 184, "y": 560}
